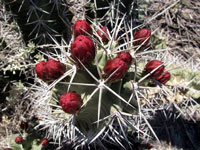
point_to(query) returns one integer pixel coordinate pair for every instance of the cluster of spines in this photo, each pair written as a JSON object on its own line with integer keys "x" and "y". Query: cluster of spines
{"x": 71, "y": 102}
{"x": 40, "y": 21}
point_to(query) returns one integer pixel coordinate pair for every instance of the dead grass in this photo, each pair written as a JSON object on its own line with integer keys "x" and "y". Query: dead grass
{"x": 179, "y": 26}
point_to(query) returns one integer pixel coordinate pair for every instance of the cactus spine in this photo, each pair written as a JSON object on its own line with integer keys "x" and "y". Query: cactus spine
{"x": 40, "y": 21}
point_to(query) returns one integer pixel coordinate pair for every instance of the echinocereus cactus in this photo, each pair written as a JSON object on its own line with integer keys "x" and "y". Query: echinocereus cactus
{"x": 142, "y": 37}
{"x": 110, "y": 101}
{"x": 104, "y": 78}
{"x": 156, "y": 67}
{"x": 103, "y": 33}
{"x": 126, "y": 57}
{"x": 50, "y": 70}
{"x": 71, "y": 102}
{"x": 113, "y": 113}
{"x": 164, "y": 77}
{"x": 115, "y": 69}
{"x": 83, "y": 49}
{"x": 82, "y": 27}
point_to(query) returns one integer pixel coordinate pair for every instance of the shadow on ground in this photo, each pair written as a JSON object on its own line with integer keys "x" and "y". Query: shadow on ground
{"x": 179, "y": 132}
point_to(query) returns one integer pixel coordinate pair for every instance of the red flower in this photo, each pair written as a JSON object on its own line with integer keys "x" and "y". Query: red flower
{"x": 164, "y": 77}
{"x": 50, "y": 70}
{"x": 115, "y": 64}
{"x": 45, "y": 142}
{"x": 103, "y": 33}
{"x": 83, "y": 49}
{"x": 82, "y": 27}
{"x": 19, "y": 140}
{"x": 142, "y": 36}
{"x": 71, "y": 102}
{"x": 150, "y": 66}
{"x": 126, "y": 57}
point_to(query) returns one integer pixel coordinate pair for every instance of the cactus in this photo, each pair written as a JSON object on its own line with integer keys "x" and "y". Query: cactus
{"x": 114, "y": 102}
{"x": 39, "y": 21}
{"x": 106, "y": 12}
{"x": 99, "y": 93}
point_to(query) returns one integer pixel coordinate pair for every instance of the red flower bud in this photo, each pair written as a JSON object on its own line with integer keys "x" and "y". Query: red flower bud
{"x": 55, "y": 69}
{"x": 126, "y": 57}
{"x": 41, "y": 70}
{"x": 83, "y": 49}
{"x": 82, "y": 27}
{"x": 141, "y": 36}
{"x": 8, "y": 149}
{"x": 45, "y": 142}
{"x": 71, "y": 102}
{"x": 24, "y": 125}
{"x": 164, "y": 77}
{"x": 150, "y": 66}
{"x": 115, "y": 64}
{"x": 50, "y": 70}
{"x": 103, "y": 33}
{"x": 19, "y": 140}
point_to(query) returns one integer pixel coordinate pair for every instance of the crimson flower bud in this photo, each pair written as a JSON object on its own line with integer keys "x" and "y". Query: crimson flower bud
{"x": 150, "y": 66}
{"x": 55, "y": 69}
{"x": 103, "y": 33}
{"x": 82, "y": 27}
{"x": 41, "y": 70}
{"x": 141, "y": 36}
{"x": 115, "y": 64}
{"x": 50, "y": 70}
{"x": 45, "y": 142}
{"x": 8, "y": 149}
{"x": 83, "y": 49}
{"x": 19, "y": 140}
{"x": 126, "y": 57}
{"x": 71, "y": 102}
{"x": 164, "y": 77}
